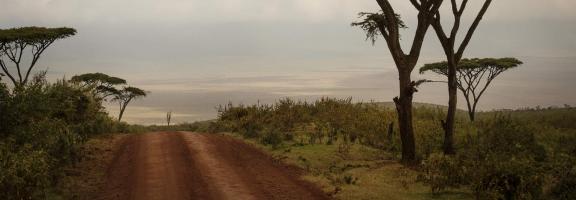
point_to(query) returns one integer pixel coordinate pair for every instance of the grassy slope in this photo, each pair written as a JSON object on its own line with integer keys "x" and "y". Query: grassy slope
{"x": 377, "y": 175}
{"x": 371, "y": 174}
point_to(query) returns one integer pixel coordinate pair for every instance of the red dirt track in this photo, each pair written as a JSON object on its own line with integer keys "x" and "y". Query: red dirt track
{"x": 182, "y": 165}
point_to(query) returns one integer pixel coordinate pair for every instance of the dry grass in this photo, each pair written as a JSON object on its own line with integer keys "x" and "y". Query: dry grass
{"x": 360, "y": 173}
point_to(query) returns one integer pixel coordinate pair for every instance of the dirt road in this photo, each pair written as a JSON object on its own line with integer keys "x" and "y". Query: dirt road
{"x": 175, "y": 166}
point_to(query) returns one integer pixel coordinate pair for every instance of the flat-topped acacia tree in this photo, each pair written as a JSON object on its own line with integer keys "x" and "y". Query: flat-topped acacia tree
{"x": 101, "y": 84}
{"x": 15, "y": 41}
{"x": 473, "y": 76}
{"x": 387, "y": 24}
{"x": 125, "y": 96}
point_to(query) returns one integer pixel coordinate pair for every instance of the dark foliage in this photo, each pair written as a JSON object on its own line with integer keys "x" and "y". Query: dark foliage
{"x": 324, "y": 121}
{"x": 42, "y": 126}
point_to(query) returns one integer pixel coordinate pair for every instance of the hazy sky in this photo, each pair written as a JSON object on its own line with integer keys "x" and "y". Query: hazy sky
{"x": 195, "y": 54}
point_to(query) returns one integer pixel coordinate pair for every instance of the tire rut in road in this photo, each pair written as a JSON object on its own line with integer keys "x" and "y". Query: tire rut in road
{"x": 154, "y": 166}
{"x": 200, "y": 166}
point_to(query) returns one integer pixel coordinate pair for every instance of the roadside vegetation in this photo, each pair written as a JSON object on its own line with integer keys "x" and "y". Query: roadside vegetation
{"x": 42, "y": 129}
{"x": 353, "y": 149}
{"x": 43, "y": 125}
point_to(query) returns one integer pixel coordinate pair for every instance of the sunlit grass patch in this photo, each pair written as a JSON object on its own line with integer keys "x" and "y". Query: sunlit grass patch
{"x": 360, "y": 173}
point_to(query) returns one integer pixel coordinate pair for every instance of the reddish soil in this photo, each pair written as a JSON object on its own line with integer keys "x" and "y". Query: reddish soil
{"x": 200, "y": 166}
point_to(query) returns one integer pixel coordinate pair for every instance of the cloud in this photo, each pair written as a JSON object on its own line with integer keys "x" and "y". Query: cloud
{"x": 261, "y": 82}
{"x": 197, "y": 11}
{"x": 226, "y": 11}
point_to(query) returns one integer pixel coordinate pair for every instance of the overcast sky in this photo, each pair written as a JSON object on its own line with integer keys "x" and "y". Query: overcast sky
{"x": 195, "y": 54}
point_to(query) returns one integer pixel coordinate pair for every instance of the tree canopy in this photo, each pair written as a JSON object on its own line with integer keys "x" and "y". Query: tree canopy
{"x": 102, "y": 84}
{"x": 14, "y": 41}
{"x": 97, "y": 79}
{"x": 496, "y": 64}
{"x": 473, "y": 76}
{"x": 374, "y": 24}
{"x": 34, "y": 35}
{"x": 125, "y": 96}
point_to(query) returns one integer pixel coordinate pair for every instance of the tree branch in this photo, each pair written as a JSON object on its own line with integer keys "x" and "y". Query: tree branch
{"x": 391, "y": 27}
{"x": 454, "y": 7}
{"x": 462, "y": 7}
{"x": 36, "y": 56}
{"x": 416, "y": 4}
{"x": 5, "y": 69}
{"x": 425, "y": 19}
{"x": 472, "y": 29}
{"x": 12, "y": 54}
{"x": 436, "y": 24}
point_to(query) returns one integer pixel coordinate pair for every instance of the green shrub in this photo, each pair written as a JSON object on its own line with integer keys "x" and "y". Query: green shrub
{"x": 272, "y": 137}
{"x": 25, "y": 172}
{"x": 52, "y": 137}
{"x": 508, "y": 179}
{"x": 441, "y": 172}
{"x": 565, "y": 188}
{"x": 502, "y": 161}
{"x": 510, "y": 137}
{"x": 42, "y": 126}
{"x": 4, "y": 101}
{"x": 430, "y": 141}
{"x": 329, "y": 118}
{"x": 508, "y": 160}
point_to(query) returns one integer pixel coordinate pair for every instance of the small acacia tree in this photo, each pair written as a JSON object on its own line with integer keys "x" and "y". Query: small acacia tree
{"x": 387, "y": 24}
{"x": 125, "y": 96}
{"x": 14, "y": 42}
{"x": 103, "y": 85}
{"x": 473, "y": 76}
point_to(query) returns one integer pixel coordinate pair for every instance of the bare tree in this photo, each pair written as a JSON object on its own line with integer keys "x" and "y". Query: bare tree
{"x": 387, "y": 24}
{"x": 168, "y": 117}
{"x": 14, "y": 42}
{"x": 453, "y": 57}
{"x": 125, "y": 96}
{"x": 473, "y": 76}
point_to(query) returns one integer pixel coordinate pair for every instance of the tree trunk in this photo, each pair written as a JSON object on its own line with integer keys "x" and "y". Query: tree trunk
{"x": 448, "y": 125}
{"x": 391, "y": 132}
{"x": 404, "y": 109}
{"x": 470, "y": 108}
{"x": 471, "y": 115}
{"x": 122, "y": 108}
